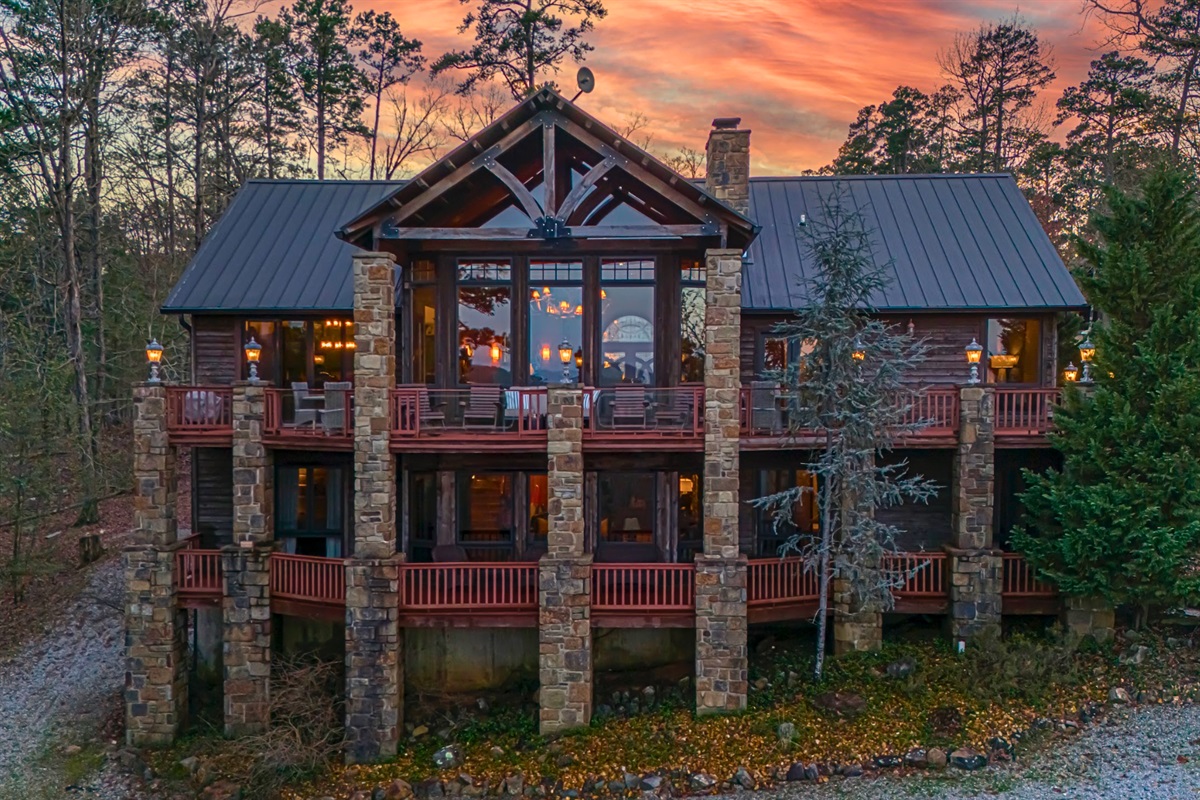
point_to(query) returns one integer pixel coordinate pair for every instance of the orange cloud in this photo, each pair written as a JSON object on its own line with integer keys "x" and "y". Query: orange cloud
{"x": 796, "y": 71}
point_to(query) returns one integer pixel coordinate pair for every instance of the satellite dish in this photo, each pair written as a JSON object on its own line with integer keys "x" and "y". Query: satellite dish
{"x": 586, "y": 81}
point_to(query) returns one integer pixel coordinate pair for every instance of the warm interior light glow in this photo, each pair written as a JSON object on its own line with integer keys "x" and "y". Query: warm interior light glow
{"x": 495, "y": 352}
{"x": 579, "y": 358}
{"x": 859, "y": 355}
{"x": 565, "y": 353}
{"x": 154, "y": 352}
{"x": 1087, "y": 351}
{"x": 253, "y": 351}
{"x": 686, "y": 485}
{"x": 1003, "y": 361}
{"x": 1071, "y": 373}
{"x": 579, "y": 311}
{"x": 545, "y": 353}
{"x": 974, "y": 352}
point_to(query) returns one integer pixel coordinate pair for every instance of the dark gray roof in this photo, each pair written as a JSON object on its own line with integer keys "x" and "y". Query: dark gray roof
{"x": 274, "y": 249}
{"x": 955, "y": 243}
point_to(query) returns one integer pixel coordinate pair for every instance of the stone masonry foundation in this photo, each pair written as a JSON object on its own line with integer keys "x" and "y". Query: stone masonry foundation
{"x": 155, "y": 629}
{"x": 856, "y": 628}
{"x": 246, "y": 656}
{"x": 374, "y": 662}
{"x": 1088, "y": 616}
{"x": 722, "y": 654}
{"x": 973, "y": 565}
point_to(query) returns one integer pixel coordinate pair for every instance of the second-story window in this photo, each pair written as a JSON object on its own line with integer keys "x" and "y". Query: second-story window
{"x": 1014, "y": 350}
{"x": 555, "y": 319}
{"x": 626, "y": 321}
{"x": 691, "y": 321}
{"x": 310, "y": 509}
{"x": 424, "y": 322}
{"x": 485, "y": 321}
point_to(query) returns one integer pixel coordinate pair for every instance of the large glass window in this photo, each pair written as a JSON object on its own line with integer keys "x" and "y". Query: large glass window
{"x": 295, "y": 357}
{"x": 333, "y": 350}
{"x": 1014, "y": 350}
{"x": 485, "y": 508}
{"x": 422, "y": 515}
{"x": 313, "y": 352}
{"x": 539, "y": 497}
{"x": 626, "y": 321}
{"x": 265, "y": 333}
{"x": 626, "y": 507}
{"x": 555, "y": 319}
{"x": 485, "y": 322}
{"x": 424, "y": 323}
{"x": 691, "y": 322}
{"x": 690, "y": 516}
{"x": 310, "y": 509}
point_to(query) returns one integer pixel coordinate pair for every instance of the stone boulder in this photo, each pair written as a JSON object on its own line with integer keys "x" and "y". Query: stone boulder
{"x": 967, "y": 759}
{"x": 847, "y": 705}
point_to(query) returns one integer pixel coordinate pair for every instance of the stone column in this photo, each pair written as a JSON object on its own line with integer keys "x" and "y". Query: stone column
{"x": 721, "y": 629}
{"x": 374, "y": 640}
{"x": 1088, "y": 616}
{"x": 565, "y": 574}
{"x": 974, "y": 565}
{"x": 856, "y": 627}
{"x": 155, "y": 628}
{"x": 246, "y": 601}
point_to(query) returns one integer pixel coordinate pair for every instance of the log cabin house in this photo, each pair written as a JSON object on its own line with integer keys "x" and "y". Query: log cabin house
{"x": 517, "y": 402}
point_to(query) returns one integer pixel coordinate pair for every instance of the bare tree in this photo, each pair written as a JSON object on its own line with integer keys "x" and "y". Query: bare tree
{"x": 475, "y": 110}
{"x": 418, "y": 127}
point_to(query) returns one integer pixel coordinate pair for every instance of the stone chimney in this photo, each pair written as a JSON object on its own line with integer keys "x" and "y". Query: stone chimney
{"x": 728, "y": 152}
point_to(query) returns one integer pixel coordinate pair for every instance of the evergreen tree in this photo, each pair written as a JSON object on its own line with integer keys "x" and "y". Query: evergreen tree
{"x": 275, "y": 106}
{"x": 1121, "y": 518}
{"x": 519, "y": 40}
{"x": 848, "y": 389}
{"x": 388, "y": 58}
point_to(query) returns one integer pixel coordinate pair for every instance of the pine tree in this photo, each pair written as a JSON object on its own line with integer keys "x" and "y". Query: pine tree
{"x": 848, "y": 389}
{"x": 388, "y": 58}
{"x": 1121, "y": 518}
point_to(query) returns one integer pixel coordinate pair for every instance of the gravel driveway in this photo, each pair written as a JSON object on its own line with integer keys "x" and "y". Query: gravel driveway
{"x": 1147, "y": 754}
{"x": 69, "y": 676}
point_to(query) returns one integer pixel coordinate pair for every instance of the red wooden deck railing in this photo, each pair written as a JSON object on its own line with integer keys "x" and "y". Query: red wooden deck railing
{"x": 1020, "y": 581}
{"x": 619, "y": 412}
{"x": 422, "y": 412}
{"x": 1025, "y": 411}
{"x": 923, "y": 574}
{"x": 469, "y": 586}
{"x": 308, "y": 579}
{"x": 938, "y": 408}
{"x": 199, "y": 412}
{"x": 763, "y": 411}
{"x": 198, "y": 574}
{"x": 314, "y": 415}
{"x": 780, "y": 581}
{"x": 643, "y": 587}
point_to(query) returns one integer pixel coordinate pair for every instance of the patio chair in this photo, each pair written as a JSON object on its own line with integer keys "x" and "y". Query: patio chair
{"x": 764, "y": 407}
{"x": 629, "y": 407}
{"x": 675, "y": 410}
{"x": 483, "y": 407}
{"x": 428, "y": 417}
{"x": 333, "y": 415}
{"x": 202, "y": 407}
{"x": 302, "y": 415}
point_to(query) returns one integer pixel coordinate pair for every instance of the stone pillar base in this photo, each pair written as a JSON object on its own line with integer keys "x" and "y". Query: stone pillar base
{"x": 975, "y": 591}
{"x": 722, "y": 654}
{"x": 565, "y": 642}
{"x": 856, "y": 629}
{"x": 1088, "y": 616}
{"x": 374, "y": 660}
{"x": 246, "y": 615}
{"x": 156, "y": 690}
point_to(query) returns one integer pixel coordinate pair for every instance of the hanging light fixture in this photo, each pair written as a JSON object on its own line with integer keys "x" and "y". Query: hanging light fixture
{"x": 1087, "y": 351}
{"x": 1071, "y": 372}
{"x": 974, "y": 352}
{"x": 253, "y": 354}
{"x": 565, "y": 354}
{"x": 154, "y": 354}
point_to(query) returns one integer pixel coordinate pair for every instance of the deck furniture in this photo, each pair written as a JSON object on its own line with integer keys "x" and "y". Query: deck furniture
{"x": 333, "y": 415}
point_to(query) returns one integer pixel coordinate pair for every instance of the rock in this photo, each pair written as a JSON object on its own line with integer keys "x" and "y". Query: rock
{"x": 968, "y": 759}
{"x": 701, "y": 782}
{"x": 1118, "y": 694}
{"x": 1135, "y": 656}
{"x": 761, "y": 683}
{"x": 843, "y": 704}
{"x": 398, "y": 790}
{"x": 786, "y": 732}
{"x": 902, "y": 668}
{"x": 191, "y": 764}
{"x": 651, "y": 782}
{"x": 131, "y": 761}
{"x": 203, "y": 775}
{"x": 631, "y": 781}
{"x": 419, "y": 731}
{"x": 918, "y": 758}
{"x": 887, "y": 762}
{"x": 796, "y": 772}
{"x": 793, "y": 680}
{"x": 999, "y": 744}
{"x": 565, "y": 760}
{"x": 222, "y": 790}
{"x": 72, "y": 750}
{"x": 448, "y": 757}
{"x": 361, "y": 794}
{"x": 514, "y": 784}
{"x": 482, "y": 705}
{"x": 743, "y": 778}
{"x": 616, "y": 787}
{"x": 936, "y": 757}
{"x": 496, "y": 751}
{"x": 648, "y": 694}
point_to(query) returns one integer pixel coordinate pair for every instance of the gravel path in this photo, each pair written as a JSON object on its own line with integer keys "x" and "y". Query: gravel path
{"x": 1147, "y": 754}
{"x": 68, "y": 677}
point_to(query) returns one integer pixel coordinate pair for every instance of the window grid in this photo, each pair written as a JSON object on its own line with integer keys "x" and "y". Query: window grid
{"x": 626, "y": 270}
{"x": 484, "y": 271}
{"x": 552, "y": 271}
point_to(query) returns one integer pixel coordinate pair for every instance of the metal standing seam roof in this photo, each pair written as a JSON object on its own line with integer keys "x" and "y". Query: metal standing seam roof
{"x": 953, "y": 243}
{"x": 274, "y": 249}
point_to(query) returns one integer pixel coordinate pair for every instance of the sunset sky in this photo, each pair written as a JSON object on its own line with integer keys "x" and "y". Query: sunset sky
{"x": 796, "y": 71}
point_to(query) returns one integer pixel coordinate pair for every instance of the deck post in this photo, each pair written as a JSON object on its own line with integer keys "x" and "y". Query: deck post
{"x": 722, "y": 661}
{"x": 975, "y": 567}
{"x": 246, "y": 599}
{"x": 374, "y": 639}
{"x": 564, "y": 574}
{"x": 156, "y": 628}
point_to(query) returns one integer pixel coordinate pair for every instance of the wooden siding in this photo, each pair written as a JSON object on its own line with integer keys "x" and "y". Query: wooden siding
{"x": 215, "y": 351}
{"x": 924, "y": 526}
{"x": 212, "y": 483}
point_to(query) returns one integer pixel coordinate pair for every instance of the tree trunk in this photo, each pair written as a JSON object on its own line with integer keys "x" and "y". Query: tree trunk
{"x": 375, "y": 127}
{"x": 825, "y": 565}
{"x": 1184, "y": 96}
{"x": 93, "y": 176}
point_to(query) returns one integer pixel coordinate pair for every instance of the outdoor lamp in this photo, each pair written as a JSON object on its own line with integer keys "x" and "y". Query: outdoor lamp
{"x": 1071, "y": 373}
{"x": 546, "y": 353}
{"x": 495, "y": 352}
{"x": 974, "y": 353}
{"x": 253, "y": 352}
{"x": 1087, "y": 351}
{"x": 565, "y": 354}
{"x": 579, "y": 358}
{"x": 859, "y": 353}
{"x": 154, "y": 352}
